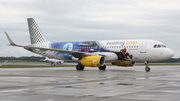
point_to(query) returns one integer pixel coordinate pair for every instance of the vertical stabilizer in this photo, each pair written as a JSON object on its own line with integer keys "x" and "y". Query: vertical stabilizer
{"x": 36, "y": 34}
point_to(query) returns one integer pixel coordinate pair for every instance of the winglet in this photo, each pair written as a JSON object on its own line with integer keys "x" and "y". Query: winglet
{"x": 10, "y": 41}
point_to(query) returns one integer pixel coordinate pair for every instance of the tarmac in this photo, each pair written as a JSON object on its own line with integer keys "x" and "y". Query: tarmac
{"x": 162, "y": 83}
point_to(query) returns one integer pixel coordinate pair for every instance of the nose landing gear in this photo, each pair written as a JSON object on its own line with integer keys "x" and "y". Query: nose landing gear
{"x": 147, "y": 69}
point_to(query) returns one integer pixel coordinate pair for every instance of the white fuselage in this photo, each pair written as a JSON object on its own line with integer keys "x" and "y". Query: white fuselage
{"x": 53, "y": 60}
{"x": 141, "y": 50}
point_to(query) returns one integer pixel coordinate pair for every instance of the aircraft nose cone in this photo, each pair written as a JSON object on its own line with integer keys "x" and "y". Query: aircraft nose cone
{"x": 170, "y": 53}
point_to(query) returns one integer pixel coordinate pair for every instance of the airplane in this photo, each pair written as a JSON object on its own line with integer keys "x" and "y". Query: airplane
{"x": 52, "y": 61}
{"x": 96, "y": 53}
{"x": 4, "y": 63}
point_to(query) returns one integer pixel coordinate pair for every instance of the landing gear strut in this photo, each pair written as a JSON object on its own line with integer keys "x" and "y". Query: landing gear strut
{"x": 102, "y": 67}
{"x": 147, "y": 69}
{"x": 52, "y": 64}
{"x": 79, "y": 67}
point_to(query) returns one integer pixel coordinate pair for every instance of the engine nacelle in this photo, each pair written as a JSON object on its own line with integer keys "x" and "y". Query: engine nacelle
{"x": 124, "y": 63}
{"x": 92, "y": 61}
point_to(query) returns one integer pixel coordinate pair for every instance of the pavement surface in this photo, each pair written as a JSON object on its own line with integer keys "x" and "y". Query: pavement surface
{"x": 162, "y": 83}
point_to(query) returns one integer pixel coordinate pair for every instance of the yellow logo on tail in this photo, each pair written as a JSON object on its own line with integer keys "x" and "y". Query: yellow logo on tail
{"x": 33, "y": 27}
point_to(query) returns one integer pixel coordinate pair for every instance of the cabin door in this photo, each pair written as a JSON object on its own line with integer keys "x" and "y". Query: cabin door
{"x": 143, "y": 47}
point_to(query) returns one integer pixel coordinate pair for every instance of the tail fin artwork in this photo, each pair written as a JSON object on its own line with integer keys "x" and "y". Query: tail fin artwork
{"x": 36, "y": 34}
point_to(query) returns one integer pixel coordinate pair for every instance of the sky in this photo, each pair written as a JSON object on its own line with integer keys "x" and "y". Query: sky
{"x": 81, "y": 20}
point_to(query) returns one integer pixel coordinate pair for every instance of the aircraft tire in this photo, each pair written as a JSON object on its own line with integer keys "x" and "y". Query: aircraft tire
{"x": 147, "y": 69}
{"x": 102, "y": 67}
{"x": 79, "y": 67}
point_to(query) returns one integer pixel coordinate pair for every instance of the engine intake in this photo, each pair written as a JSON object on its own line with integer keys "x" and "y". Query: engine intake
{"x": 124, "y": 63}
{"x": 92, "y": 61}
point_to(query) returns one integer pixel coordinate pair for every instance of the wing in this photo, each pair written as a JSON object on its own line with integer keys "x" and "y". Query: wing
{"x": 72, "y": 53}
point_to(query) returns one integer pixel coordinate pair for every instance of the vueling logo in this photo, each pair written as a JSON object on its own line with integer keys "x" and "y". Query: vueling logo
{"x": 131, "y": 42}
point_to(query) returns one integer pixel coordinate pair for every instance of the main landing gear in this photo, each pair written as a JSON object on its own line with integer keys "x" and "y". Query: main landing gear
{"x": 147, "y": 69}
{"x": 52, "y": 64}
{"x": 79, "y": 67}
{"x": 102, "y": 67}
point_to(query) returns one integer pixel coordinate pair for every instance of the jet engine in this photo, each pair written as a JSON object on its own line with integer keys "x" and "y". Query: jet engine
{"x": 124, "y": 63}
{"x": 92, "y": 61}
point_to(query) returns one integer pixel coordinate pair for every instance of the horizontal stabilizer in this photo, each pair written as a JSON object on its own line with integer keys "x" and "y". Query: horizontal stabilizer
{"x": 11, "y": 42}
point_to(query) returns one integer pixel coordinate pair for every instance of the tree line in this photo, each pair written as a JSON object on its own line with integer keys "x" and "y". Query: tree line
{"x": 27, "y": 58}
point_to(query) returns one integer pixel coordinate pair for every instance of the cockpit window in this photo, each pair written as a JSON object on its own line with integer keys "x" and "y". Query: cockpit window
{"x": 155, "y": 46}
{"x": 163, "y": 46}
{"x": 159, "y": 46}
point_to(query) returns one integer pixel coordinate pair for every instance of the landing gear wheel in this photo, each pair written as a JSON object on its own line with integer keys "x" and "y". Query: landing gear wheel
{"x": 147, "y": 69}
{"x": 102, "y": 67}
{"x": 79, "y": 67}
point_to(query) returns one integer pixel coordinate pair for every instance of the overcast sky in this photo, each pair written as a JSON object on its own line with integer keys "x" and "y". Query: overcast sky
{"x": 78, "y": 20}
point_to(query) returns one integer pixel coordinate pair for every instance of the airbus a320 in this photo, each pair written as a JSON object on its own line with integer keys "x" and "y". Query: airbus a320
{"x": 96, "y": 53}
